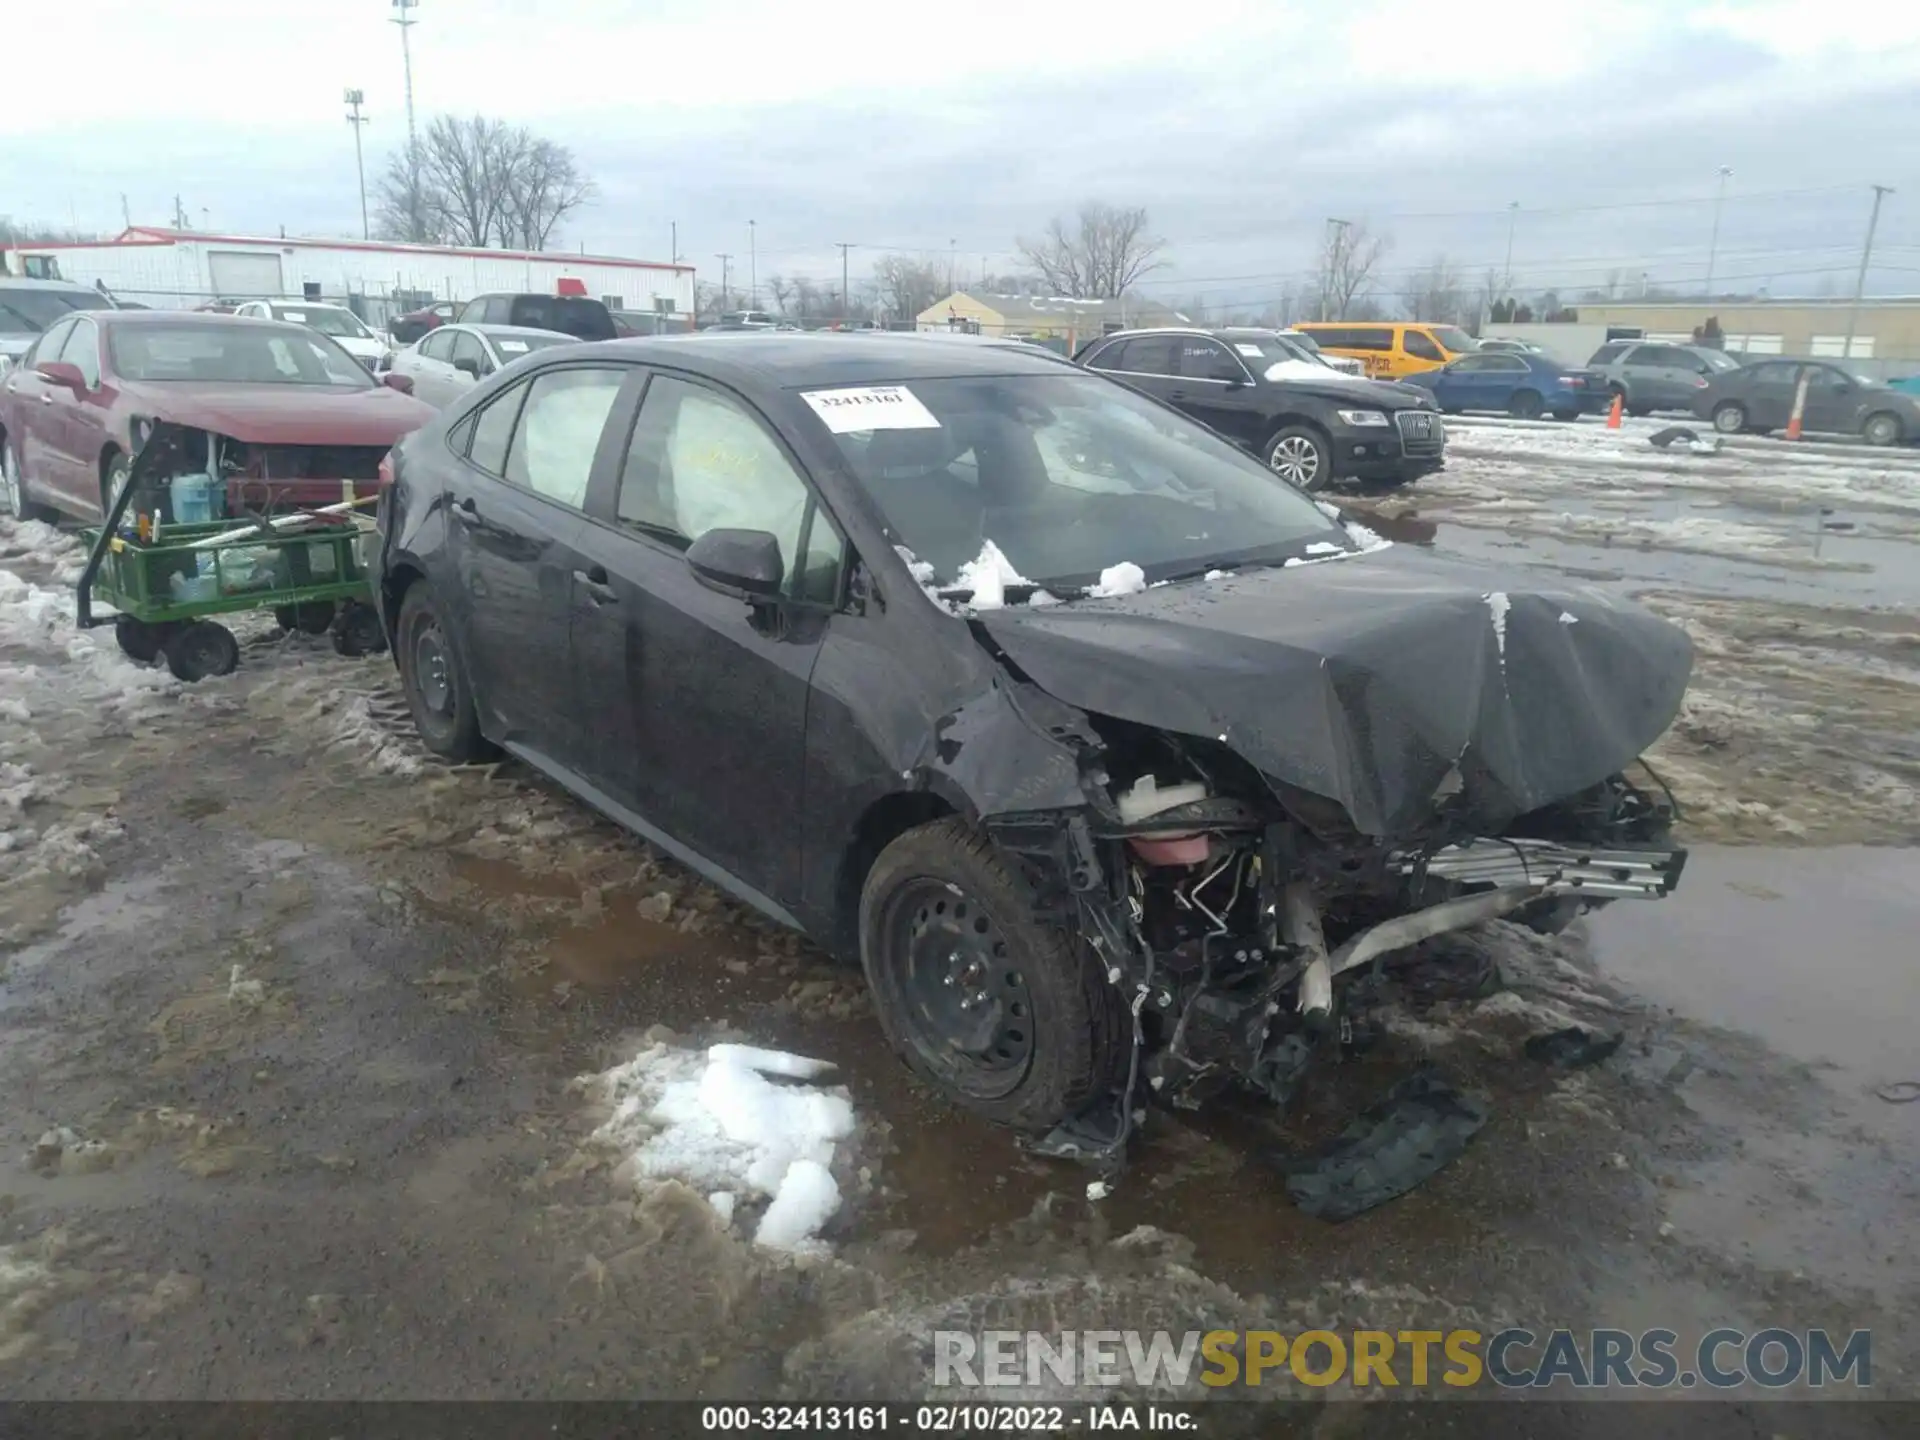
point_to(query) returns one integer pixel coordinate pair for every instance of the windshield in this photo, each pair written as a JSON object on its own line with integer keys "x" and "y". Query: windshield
{"x": 28, "y": 312}
{"x": 1069, "y": 475}
{"x": 1274, "y": 348}
{"x": 1452, "y": 339}
{"x": 244, "y": 352}
{"x": 328, "y": 321}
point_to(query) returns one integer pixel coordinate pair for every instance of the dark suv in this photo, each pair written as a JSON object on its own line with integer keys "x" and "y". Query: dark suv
{"x": 577, "y": 315}
{"x": 1311, "y": 424}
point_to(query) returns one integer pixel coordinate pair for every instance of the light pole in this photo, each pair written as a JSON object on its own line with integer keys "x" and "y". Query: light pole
{"x": 1513, "y": 220}
{"x": 1880, "y": 192}
{"x": 1713, "y": 244}
{"x": 725, "y": 259}
{"x": 1335, "y": 268}
{"x": 403, "y": 17}
{"x": 355, "y": 98}
{"x": 753, "y": 270}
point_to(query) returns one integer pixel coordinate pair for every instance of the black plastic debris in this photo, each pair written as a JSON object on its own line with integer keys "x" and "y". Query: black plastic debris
{"x": 1681, "y": 435}
{"x": 1415, "y": 1131}
{"x": 1573, "y": 1048}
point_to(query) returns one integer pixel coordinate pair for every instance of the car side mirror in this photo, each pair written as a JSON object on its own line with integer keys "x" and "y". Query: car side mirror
{"x": 467, "y": 365}
{"x": 394, "y": 380}
{"x": 743, "y": 563}
{"x": 59, "y": 372}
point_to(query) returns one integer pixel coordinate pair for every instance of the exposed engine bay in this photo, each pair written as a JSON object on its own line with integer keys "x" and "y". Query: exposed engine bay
{"x": 242, "y": 478}
{"x": 1231, "y": 914}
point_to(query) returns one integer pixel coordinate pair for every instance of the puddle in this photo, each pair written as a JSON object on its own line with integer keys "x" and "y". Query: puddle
{"x": 503, "y": 877}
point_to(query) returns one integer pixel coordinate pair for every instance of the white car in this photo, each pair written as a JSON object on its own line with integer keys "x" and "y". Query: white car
{"x": 336, "y": 322}
{"x": 445, "y": 363}
{"x": 1345, "y": 364}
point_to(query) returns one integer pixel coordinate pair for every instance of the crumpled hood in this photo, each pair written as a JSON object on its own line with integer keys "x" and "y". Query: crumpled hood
{"x": 1367, "y": 679}
{"x": 285, "y": 414}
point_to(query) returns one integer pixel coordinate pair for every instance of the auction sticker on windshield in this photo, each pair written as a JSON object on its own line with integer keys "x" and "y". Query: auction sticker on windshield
{"x": 870, "y": 407}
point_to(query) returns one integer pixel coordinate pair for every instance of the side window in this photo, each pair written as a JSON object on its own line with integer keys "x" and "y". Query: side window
{"x": 1507, "y": 364}
{"x": 1607, "y": 354}
{"x": 559, "y": 429}
{"x": 1372, "y": 337}
{"x": 698, "y": 461}
{"x": 1775, "y": 374}
{"x": 1422, "y": 348}
{"x": 1209, "y": 360}
{"x": 1108, "y": 357}
{"x": 494, "y": 430}
{"x": 49, "y": 345}
{"x": 83, "y": 349}
{"x": 1153, "y": 355}
{"x": 467, "y": 346}
{"x": 437, "y": 346}
{"x": 1819, "y": 377}
{"x": 1468, "y": 364}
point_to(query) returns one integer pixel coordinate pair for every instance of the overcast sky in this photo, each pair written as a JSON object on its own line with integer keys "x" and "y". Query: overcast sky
{"x": 1240, "y": 124}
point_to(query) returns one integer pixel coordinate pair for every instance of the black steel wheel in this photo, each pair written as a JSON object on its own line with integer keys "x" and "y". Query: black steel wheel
{"x": 1008, "y": 1017}
{"x": 140, "y": 639}
{"x": 356, "y": 631}
{"x": 1525, "y": 405}
{"x": 312, "y": 617}
{"x": 201, "y": 648}
{"x": 438, "y": 694}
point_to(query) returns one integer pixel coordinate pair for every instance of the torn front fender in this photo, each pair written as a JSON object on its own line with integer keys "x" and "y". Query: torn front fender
{"x": 1013, "y": 749}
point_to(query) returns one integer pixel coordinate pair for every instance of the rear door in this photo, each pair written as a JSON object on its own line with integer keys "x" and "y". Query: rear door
{"x": 697, "y": 700}
{"x": 428, "y": 365}
{"x": 82, "y": 432}
{"x": 1768, "y": 394}
{"x": 515, "y": 509}
{"x": 1833, "y": 401}
{"x": 1146, "y": 362}
{"x": 33, "y": 399}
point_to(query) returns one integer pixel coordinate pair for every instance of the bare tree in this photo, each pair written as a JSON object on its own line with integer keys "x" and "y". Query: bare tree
{"x": 806, "y": 296}
{"x": 1012, "y": 285}
{"x": 1104, "y": 252}
{"x": 543, "y": 186}
{"x": 907, "y": 286}
{"x": 1436, "y": 294}
{"x": 479, "y": 182}
{"x": 1348, "y": 258}
{"x": 780, "y": 289}
{"x": 404, "y": 208}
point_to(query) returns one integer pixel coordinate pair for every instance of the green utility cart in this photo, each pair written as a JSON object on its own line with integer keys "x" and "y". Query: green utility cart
{"x": 165, "y": 582}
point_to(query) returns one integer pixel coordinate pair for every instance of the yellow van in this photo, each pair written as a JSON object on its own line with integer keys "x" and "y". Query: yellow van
{"x": 1390, "y": 348}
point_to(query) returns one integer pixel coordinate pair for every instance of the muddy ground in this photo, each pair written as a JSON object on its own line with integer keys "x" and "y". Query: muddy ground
{"x": 293, "y": 1023}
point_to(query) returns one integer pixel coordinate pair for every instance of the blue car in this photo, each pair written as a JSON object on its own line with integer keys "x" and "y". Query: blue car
{"x": 1522, "y": 385}
{"x": 1909, "y": 386}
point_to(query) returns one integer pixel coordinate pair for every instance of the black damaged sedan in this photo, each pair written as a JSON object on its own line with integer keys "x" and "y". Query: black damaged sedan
{"x": 1108, "y": 755}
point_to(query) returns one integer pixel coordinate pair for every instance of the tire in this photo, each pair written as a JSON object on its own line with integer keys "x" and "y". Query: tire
{"x": 1525, "y": 405}
{"x": 16, "y": 496}
{"x": 1565, "y": 415}
{"x": 1051, "y": 1035}
{"x": 356, "y": 631}
{"x": 1881, "y": 428}
{"x": 114, "y": 471}
{"x": 439, "y": 695}
{"x": 140, "y": 640}
{"x": 1301, "y": 456}
{"x": 313, "y": 617}
{"x": 1730, "y": 417}
{"x": 201, "y": 648}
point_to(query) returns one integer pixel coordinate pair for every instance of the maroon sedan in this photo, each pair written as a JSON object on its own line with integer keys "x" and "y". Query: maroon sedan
{"x": 287, "y": 416}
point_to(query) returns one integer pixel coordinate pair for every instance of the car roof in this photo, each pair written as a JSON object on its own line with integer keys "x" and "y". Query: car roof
{"x": 305, "y": 305}
{"x": 27, "y": 282}
{"x": 208, "y": 318}
{"x": 808, "y": 360}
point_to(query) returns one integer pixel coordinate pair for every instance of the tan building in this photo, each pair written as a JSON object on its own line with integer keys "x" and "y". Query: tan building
{"x": 1064, "y": 321}
{"x": 1887, "y": 329}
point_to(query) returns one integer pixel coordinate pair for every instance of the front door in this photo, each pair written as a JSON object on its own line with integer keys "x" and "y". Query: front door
{"x": 1833, "y": 401}
{"x": 698, "y": 701}
{"x": 515, "y": 511}
{"x": 430, "y": 367}
{"x": 1770, "y": 392}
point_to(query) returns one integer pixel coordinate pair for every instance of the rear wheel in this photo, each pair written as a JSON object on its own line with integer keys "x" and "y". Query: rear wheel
{"x": 1300, "y": 457}
{"x": 357, "y": 631}
{"x": 1730, "y": 418}
{"x": 201, "y": 648}
{"x": 1566, "y": 414}
{"x": 1881, "y": 429}
{"x": 1525, "y": 405}
{"x": 311, "y": 617}
{"x": 16, "y": 499}
{"x": 439, "y": 694}
{"x": 140, "y": 639}
{"x": 1008, "y": 1017}
{"x": 114, "y": 471}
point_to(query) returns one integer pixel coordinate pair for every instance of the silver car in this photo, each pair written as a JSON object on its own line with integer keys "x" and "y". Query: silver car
{"x": 447, "y": 362}
{"x": 29, "y": 306}
{"x": 1653, "y": 375}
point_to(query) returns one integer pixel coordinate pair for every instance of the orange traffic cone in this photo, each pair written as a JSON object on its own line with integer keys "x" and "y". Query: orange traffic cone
{"x": 1613, "y": 411}
{"x": 1799, "y": 407}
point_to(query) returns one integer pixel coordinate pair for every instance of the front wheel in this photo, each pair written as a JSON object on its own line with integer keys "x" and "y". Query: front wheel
{"x": 439, "y": 695}
{"x": 357, "y": 631}
{"x": 1566, "y": 414}
{"x": 1881, "y": 429}
{"x": 1008, "y": 1017}
{"x": 1730, "y": 418}
{"x": 1300, "y": 457}
{"x": 309, "y": 617}
{"x": 1526, "y": 405}
{"x": 201, "y": 648}
{"x": 113, "y": 479}
{"x": 141, "y": 640}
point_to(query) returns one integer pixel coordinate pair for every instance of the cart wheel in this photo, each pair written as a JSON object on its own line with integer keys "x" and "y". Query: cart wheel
{"x": 142, "y": 640}
{"x": 201, "y": 648}
{"x": 315, "y": 617}
{"x": 358, "y": 632}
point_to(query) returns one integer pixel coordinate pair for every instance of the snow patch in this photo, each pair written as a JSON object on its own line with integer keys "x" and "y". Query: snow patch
{"x": 1366, "y": 539}
{"x": 1497, "y": 606}
{"x": 1126, "y": 578}
{"x": 987, "y": 575}
{"x": 717, "y": 1120}
{"x": 1325, "y": 547}
{"x": 923, "y": 576}
{"x": 1567, "y": 617}
{"x": 1218, "y": 575}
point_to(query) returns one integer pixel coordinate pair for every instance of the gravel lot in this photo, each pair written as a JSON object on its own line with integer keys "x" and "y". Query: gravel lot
{"x": 298, "y": 1028}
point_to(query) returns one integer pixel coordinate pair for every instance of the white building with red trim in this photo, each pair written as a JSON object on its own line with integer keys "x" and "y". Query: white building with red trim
{"x": 181, "y": 269}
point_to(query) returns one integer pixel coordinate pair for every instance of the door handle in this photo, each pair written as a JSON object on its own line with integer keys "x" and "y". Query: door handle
{"x": 594, "y": 581}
